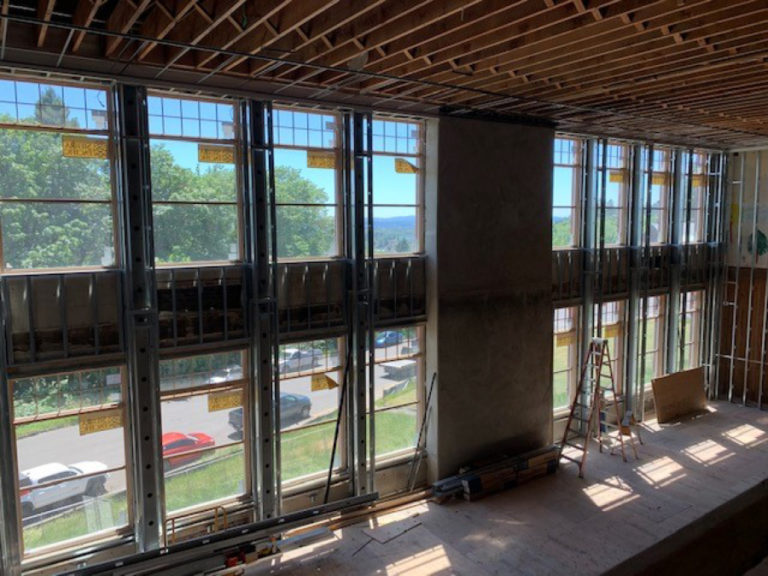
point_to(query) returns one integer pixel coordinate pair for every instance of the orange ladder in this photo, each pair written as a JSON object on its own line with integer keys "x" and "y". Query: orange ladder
{"x": 597, "y": 375}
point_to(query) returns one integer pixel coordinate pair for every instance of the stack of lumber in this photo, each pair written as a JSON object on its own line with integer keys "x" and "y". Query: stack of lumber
{"x": 490, "y": 476}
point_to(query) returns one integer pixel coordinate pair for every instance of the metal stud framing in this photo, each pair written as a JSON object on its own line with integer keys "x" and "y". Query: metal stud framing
{"x": 141, "y": 317}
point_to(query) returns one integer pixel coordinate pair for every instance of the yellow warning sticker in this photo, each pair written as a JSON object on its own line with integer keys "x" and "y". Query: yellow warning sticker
{"x": 321, "y": 159}
{"x": 323, "y": 382}
{"x": 92, "y": 422}
{"x": 216, "y": 153}
{"x": 83, "y": 147}
{"x": 402, "y": 166}
{"x": 224, "y": 400}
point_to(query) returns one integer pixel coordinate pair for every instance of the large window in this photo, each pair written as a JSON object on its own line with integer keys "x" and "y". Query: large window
{"x": 397, "y": 186}
{"x": 690, "y": 328}
{"x": 56, "y": 199}
{"x": 566, "y": 193}
{"x": 202, "y": 399}
{"x": 195, "y": 192}
{"x": 613, "y": 331}
{"x": 398, "y": 386}
{"x": 616, "y": 158}
{"x": 70, "y": 457}
{"x": 307, "y": 160}
{"x": 693, "y": 224}
{"x": 565, "y": 371}
{"x": 661, "y": 181}
{"x": 310, "y": 383}
{"x": 651, "y": 364}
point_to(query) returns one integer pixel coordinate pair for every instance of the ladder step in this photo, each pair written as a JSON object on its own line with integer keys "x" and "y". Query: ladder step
{"x": 574, "y": 460}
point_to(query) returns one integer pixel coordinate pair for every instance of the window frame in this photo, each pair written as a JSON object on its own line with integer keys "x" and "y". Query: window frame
{"x": 575, "y": 207}
{"x": 108, "y": 133}
{"x": 236, "y": 142}
{"x": 173, "y": 394}
{"x": 618, "y": 163}
{"x": 573, "y": 315}
{"x": 420, "y": 334}
{"x": 338, "y": 195}
{"x": 420, "y": 156}
{"x": 101, "y": 536}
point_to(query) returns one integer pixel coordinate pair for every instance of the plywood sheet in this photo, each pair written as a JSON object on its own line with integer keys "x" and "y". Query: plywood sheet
{"x": 679, "y": 394}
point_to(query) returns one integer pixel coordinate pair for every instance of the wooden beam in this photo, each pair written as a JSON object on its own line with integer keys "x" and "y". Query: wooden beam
{"x": 319, "y": 27}
{"x": 123, "y": 17}
{"x": 161, "y": 20}
{"x": 44, "y": 13}
{"x": 4, "y": 27}
{"x": 84, "y": 14}
{"x": 255, "y": 15}
{"x": 285, "y": 22}
{"x": 198, "y": 25}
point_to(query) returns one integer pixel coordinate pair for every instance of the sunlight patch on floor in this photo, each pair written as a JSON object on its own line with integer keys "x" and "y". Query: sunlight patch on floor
{"x": 745, "y": 435}
{"x": 661, "y": 471}
{"x": 708, "y": 452}
{"x": 610, "y": 493}
{"x": 430, "y": 561}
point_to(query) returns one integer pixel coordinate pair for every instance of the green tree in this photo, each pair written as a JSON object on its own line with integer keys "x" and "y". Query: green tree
{"x": 302, "y": 229}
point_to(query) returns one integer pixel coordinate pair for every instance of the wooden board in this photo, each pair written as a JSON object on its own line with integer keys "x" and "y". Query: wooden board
{"x": 679, "y": 394}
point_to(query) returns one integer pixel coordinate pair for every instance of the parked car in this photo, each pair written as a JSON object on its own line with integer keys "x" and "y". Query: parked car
{"x": 228, "y": 374}
{"x": 293, "y": 407}
{"x": 34, "y": 498}
{"x": 180, "y": 449}
{"x": 295, "y": 360}
{"x": 388, "y": 338}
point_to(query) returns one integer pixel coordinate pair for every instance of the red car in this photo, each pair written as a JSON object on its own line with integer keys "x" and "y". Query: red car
{"x": 179, "y": 449}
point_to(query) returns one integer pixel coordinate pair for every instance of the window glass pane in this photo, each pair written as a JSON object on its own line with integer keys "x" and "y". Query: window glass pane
{"x": 201, "y": 371}
{"x": 307, "y": 451}
{"x": 49, "y": 395}
{"x": 305, "y": 189}
{"x": 395, "y": 230}
{"x": 195, "y": 232}
{"x": 47, "y": 235}
{"x": 396, "y": 429}
{"x": 396, "y": 137}
{"x": 31, "y": 103}
{"x": 70, "y": 456}
{"x": 310, "y": 383}
{"x": 306, "y": 231}
{"x": 170, "y": 116}
{"x": 202, "y": 431}
{"x": 396, "y": 179}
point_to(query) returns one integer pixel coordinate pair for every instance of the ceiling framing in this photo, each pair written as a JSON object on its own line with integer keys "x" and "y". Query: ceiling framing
{"x": 692, "y": 72}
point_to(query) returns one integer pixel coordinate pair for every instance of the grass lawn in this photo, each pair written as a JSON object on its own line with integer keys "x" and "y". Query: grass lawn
{"x": 33, "y": 428}
{"x": 106, "y": 513}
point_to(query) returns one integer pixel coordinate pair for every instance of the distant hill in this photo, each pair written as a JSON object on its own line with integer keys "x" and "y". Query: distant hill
{"x": 394, "y": 222}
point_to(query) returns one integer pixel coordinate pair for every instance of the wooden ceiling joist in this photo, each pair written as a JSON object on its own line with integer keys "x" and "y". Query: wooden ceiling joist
{"x": 692, "y": 70}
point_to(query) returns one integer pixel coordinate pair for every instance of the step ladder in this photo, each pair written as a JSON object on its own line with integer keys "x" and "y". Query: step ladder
{"x": 598, "y": 387}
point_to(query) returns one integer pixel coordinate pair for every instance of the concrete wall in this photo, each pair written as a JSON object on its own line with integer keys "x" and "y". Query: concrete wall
{"x": 490, "y": 290}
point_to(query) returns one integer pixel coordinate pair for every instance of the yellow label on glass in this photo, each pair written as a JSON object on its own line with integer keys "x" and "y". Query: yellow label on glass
{"x": 321, "y": 159}
{"x": 92, "y": 422}
{"x": 216, "y": 153}
{"x": 565, "y": 339}
{"x": 323, "y": 382}
{"x": 402, "y": 166}
{"x": 82, "y": 147}
{"x": 224, "y": 400}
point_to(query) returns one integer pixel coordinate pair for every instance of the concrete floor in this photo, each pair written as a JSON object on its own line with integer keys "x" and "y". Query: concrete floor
{"x": 559, "y": 524}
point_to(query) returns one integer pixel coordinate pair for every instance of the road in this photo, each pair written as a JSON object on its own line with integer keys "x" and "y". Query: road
{"x": 190, "y": 414}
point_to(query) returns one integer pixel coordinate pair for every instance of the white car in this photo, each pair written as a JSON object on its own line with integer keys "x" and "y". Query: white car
{"x": 295, "y": 360}
{"x": 61, "y": 489}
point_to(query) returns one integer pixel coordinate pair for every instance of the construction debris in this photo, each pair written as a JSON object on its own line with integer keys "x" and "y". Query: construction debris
{"x": 482, "y": 479}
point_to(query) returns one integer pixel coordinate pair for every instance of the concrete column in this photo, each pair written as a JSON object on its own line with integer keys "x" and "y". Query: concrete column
{"x": 490, "y": 290}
